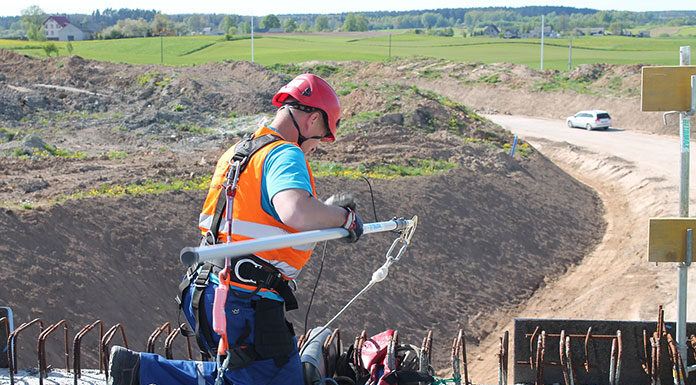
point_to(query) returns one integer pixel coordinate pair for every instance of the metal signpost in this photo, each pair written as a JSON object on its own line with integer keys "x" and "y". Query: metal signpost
{"x": 673, "y": 89}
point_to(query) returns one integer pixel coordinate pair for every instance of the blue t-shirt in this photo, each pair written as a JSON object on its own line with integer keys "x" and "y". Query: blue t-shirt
{"x": 284, "y": 168}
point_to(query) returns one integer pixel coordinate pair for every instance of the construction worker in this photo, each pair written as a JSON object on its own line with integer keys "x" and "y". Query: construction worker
{"x": 273, "y": 193}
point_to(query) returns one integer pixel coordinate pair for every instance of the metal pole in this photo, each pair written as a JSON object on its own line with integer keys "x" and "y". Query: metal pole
{"x": 390, "y": 45}
{"x": 683, "y": 268}
{"x": 570, "y": 52}
{"x": 542, "y": 42}
{"x": 194, "y": 255}
{"x": 252, "y": 39}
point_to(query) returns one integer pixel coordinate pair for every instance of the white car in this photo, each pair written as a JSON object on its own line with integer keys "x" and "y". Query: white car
{"x": 590, "y": 120}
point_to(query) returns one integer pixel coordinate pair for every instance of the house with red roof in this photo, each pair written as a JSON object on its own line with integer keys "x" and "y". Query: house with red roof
{"x": 60, "y": 28}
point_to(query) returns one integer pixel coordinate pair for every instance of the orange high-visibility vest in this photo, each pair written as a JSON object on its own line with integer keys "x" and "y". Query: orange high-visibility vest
{"x": 249, "y": 219}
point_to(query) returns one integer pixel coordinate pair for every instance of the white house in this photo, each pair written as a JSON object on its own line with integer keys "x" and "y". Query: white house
{"x": 60, "y": 28}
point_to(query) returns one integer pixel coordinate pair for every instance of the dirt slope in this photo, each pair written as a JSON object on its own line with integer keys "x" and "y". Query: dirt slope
{"x": 487, "y": 237}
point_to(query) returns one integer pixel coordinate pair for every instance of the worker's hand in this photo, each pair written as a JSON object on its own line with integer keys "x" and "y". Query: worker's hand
{"x": 345, "y": 200}
{"x": 354, "y": 225}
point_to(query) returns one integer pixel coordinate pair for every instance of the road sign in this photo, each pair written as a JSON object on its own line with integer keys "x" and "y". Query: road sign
{"x": 666, "y": 88}
{"x": 667, "y": 239}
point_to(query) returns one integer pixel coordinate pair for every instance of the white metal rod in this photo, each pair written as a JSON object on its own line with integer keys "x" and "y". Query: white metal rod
{"x": 194, "y": 255}
{"x": 683, "y": 268}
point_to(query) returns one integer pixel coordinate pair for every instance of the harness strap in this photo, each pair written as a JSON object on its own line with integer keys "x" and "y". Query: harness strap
{"x": 243, "y": 152}
{"x": 201, "y": 282}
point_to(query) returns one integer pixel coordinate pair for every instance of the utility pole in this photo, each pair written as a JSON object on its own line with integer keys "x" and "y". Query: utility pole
{"x": 252, "y": 39}
{"x": 542, "y": 43}
{"x": 683, "y": 267}
{"x": 570, "y": 52}
{"x": 390, "y": 45}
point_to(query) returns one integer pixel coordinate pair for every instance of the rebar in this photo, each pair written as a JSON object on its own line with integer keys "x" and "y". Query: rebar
{"x": 106, "y": 339}
{"x": 569, "y": 360}
{"x": 587, "y": 353}
{"x": 43, "y": 367}
{"x": 541, "y": 347}
{"x": 503, "y": 358}
{"x": 330, "y": 365}
{"x": 612, "y": 363}
{"x": 170, "y": 339}
{"x": 155, "y": 335}
{"x": 618, "y": 357}
{"x": 12, "y": 343}
{"x": 562, "y": 357}
{"x": 454, "y": 358}
{"x": 77, "y": 341}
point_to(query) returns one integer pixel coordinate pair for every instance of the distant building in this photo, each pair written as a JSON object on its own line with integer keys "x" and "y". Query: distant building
{"x": 275, "y": 30}
{"x": 491, "y": 30}
{"x": 643, "y": 34}
{"x": 548, "y": 32}
{"x": 511, "y": 35}
{"x": 209, "y": 31}
{"x": 60, "y": 28}
{"x": 596, "y": 31}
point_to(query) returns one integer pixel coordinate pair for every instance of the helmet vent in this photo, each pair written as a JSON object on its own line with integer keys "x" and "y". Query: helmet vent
{"x": 307, "y": 92}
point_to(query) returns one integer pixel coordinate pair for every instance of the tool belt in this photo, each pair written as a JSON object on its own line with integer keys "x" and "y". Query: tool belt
{"x": 269, "y": 315}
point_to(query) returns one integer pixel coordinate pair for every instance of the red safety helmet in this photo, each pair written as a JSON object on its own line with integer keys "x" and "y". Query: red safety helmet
{"x": 312, "y": 91}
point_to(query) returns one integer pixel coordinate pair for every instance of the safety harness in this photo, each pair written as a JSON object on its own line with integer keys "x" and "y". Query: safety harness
{"x": 247, "y": 270}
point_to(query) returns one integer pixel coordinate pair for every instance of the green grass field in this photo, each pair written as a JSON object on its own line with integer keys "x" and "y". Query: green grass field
{"x": 286, "y": 48}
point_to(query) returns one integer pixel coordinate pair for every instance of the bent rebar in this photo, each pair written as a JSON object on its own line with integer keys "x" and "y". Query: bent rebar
{"x": 43, "y": 367}
{"x": 155, "y": 334}
{"x": 12, "y": 343}
{"x": 170, "y": 339}
{"x": 77, "y": 341}
{"x": 106, "y": 339}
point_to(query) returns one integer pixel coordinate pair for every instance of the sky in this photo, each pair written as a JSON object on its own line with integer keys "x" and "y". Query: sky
{"x": 265, "y": 7}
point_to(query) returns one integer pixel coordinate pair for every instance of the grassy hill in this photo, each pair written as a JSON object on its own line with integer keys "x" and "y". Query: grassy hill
{"x": 286, "y": 48}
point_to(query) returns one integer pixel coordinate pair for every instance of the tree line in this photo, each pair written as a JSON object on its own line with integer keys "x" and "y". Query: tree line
{"x": 118, "y": 23}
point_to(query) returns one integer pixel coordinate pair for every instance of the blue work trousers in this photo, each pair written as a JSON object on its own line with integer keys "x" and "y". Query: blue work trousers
{"x": 155, "y": 369}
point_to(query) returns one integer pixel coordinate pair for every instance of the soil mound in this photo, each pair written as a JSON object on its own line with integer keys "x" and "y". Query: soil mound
{"x": 488, "y": 233}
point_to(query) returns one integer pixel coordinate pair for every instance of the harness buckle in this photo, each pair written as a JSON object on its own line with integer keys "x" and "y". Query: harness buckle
{"x": 239, "y": 263}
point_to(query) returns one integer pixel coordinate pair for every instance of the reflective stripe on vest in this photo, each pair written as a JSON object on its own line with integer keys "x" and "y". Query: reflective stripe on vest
{"x": 250, "y": 220}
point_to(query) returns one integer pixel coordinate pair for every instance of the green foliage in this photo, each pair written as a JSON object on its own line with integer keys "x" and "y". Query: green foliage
{"x": 32, "y": 23}
{"x": 27, "y": 206}
{"x": 412, "y": 167}
{"x": 355, "y": 22}
{"x": 154, "y": 79}
{"x": 7, "y": 135}
{"x": 162, "y": 25}
{"x": 244, "y": 27}
{"x": 50, "y": 48}
{"x": 227, "y": 23}
{"x": 115, "y": 154}
{"x": 146, "y": 187}
{"x": 290, "y": 25}
{"x": 69, "y": 48}
{"x": 270, "y": 21}
{"x": 177, "y": 108}
{"x": 492, "y": 79}
{"x": 321, "y": 23}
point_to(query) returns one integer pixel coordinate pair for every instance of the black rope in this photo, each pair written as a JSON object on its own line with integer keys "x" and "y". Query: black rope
{"x": 316, "y": 284}
{"x": 374, "y": 207}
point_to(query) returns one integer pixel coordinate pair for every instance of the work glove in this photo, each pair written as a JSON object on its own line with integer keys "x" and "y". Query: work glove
{"x": 354, "y": 225}
{"x": 345, "y": 200}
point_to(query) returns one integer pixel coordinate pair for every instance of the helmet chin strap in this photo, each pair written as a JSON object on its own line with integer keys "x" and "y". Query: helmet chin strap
{"x": 300, "y": 138}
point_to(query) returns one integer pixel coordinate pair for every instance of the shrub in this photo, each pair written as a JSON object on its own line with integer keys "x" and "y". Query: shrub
{"x": 50, "y": 48}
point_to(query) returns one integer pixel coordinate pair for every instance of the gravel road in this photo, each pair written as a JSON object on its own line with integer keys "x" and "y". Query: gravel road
{"x": 637, "y": 177}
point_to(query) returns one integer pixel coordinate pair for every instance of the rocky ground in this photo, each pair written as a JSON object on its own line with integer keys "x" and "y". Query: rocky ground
{"x": 84, "y": 141}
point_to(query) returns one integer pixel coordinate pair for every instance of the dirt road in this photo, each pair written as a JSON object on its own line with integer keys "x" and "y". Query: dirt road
{"x": 637, "y": 177}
